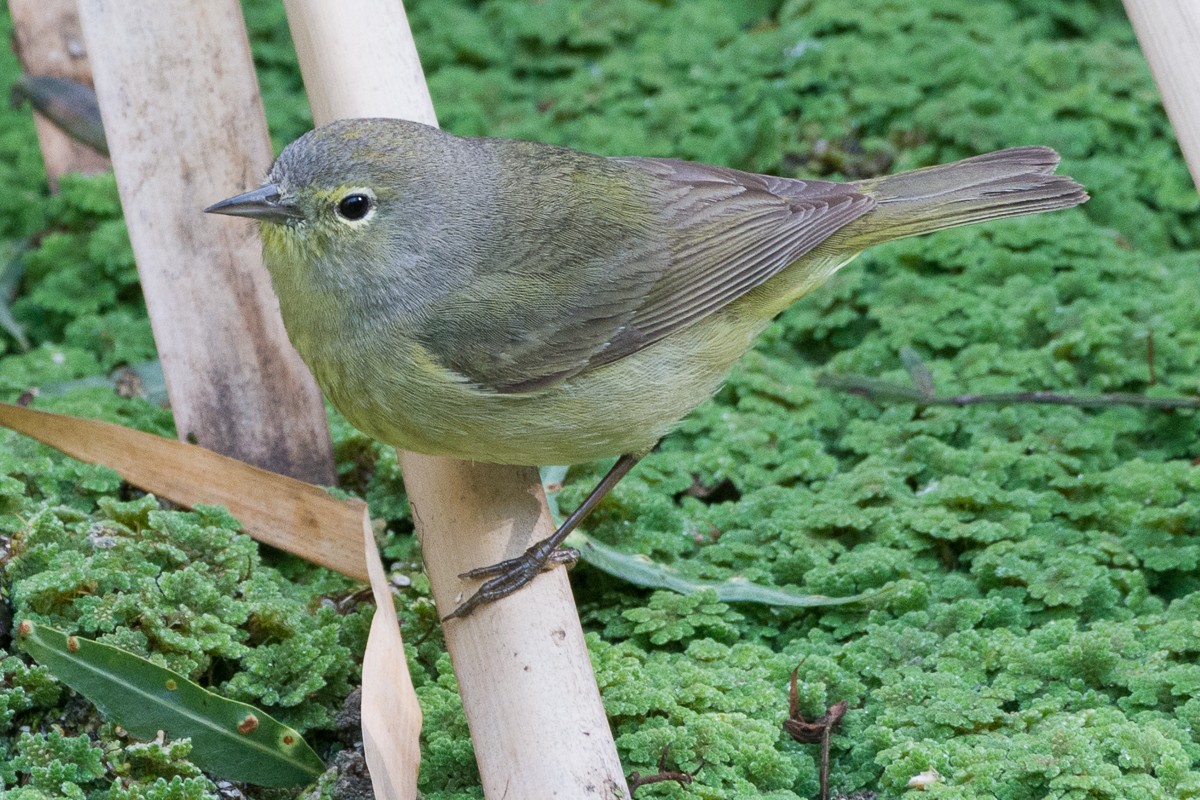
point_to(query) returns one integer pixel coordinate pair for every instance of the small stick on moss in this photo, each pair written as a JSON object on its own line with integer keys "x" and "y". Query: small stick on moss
{"x": 817, "y": 730}
{"x": 922, "y": 391}
{"x": 875, "y": 389}
{"x": 636, "y": 780}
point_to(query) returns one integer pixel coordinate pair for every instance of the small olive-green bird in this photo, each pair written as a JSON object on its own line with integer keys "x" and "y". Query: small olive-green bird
{"x": 514, "y": 302}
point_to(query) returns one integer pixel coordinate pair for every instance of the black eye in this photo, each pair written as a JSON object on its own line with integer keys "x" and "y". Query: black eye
{"x": 354, "y": 206}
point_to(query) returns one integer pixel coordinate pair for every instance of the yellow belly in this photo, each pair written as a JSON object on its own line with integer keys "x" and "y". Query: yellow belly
{"x": 622, "y": 407}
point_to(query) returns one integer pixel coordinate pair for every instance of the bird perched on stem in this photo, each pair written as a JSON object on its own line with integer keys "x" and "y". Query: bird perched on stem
{"x": 514, "y": 302}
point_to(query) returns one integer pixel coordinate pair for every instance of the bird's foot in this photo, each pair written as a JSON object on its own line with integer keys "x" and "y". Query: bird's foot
{"x": 508, "y": 576}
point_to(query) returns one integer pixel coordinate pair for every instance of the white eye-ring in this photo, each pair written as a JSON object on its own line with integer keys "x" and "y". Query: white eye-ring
{"x": 357, "y": 206}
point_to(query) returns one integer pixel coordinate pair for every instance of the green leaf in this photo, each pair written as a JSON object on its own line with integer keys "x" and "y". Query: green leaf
{"x": 641, "y": 571}
{"x": 230, "y": 739}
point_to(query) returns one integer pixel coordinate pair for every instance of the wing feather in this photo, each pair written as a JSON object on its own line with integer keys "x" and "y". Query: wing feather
{"x": 652, "y": 245}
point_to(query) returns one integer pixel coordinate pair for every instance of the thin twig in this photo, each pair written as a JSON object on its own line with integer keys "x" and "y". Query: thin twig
{"x": 875, "y": 389}
{"x": 922, "y": 392}
{"x": 637, "y": 780}
{"x": 813, "y": 731}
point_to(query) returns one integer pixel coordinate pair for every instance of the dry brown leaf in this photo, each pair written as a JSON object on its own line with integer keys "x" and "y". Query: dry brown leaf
{"x": 288, "y": 514}
{"x": 391, "y": 716}
{"x": 283, "y": 512}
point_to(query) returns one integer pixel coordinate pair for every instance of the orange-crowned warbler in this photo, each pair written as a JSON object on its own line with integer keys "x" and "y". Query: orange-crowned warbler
{"x": 507, "y": 301}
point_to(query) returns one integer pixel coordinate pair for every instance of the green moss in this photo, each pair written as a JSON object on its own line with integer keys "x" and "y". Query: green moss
{"x": 160, "y": 761}
{"x": 58, "y": 765}
{"x": 83, "y": 265}
{"x": 1038, "y": 636}
{"x": 177, "y": 788}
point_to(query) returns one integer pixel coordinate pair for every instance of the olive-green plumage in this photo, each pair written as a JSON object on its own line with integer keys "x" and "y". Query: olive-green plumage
{"x": 514, "y": 302}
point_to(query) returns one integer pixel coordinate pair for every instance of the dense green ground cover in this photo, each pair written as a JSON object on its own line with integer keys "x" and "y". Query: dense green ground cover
{"x": 1041, "y": 634}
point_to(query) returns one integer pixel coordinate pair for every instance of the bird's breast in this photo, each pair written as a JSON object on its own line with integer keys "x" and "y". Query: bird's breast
{"x": 393, "y": 389}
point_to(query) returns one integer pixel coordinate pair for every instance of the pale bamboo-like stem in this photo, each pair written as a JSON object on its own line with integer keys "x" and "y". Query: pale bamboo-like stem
{"x": 49, "y": 42}
{"x": 185, "y": 127}
{"x": 1169, "y": 33}
{"x": 531, "y": 699}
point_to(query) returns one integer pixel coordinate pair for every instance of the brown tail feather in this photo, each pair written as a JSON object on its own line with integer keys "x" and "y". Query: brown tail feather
{"x": 1006, "y": 183}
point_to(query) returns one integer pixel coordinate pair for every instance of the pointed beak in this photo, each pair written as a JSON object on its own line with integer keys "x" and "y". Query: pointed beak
{"x": 264, "y": 203}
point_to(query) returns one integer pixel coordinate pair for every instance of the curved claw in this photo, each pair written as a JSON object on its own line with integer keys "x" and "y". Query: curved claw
{"x": 510, "y": 576}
